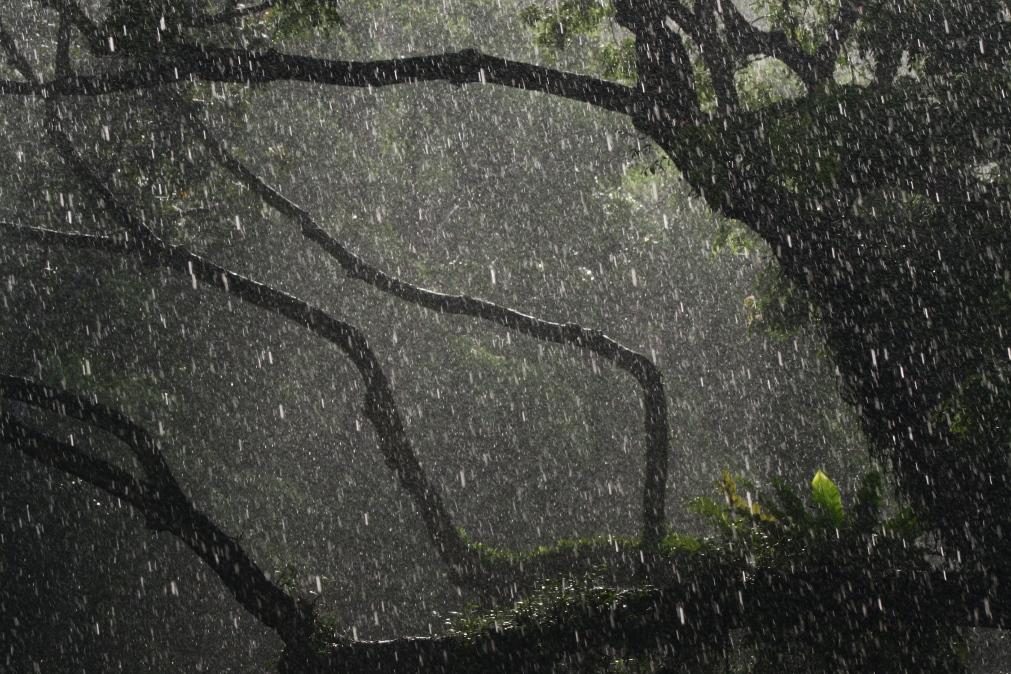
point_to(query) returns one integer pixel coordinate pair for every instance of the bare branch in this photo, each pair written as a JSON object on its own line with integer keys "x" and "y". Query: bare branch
{"x": 77, "y": 240}
{"x": 14, "y": 55}
{"x": 70, "y": 460}
{"x": 380, "y": 406}
{"x": 185, "y": 62}
{"x": 814, "y": 70}
{"x": 88, "y": 29}
{"x": 636, "y": 364}
{"x": 62, "y": 64}
{"x": 142, "y": 235}
{"x": 748, "y": 40}
{"x": 159, "y": 498}
{"x": 141, "y": 443}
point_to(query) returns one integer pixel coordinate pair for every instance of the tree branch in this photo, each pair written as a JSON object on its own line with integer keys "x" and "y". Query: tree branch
{"x": 680, "y": 621}
{"x": 89, "y": 30}
{"x": 634, "y": 363}
{"x": 64, "y": 403}
{"x": 70, "y": 460}
{"x": 746, "y": 41}
{"x": 181, "y": 62}
{"x": 838, "y": 31}
{"x": 159, "y": 498}
{"x": 14, "y": 55}
{"x": 380, "y": 406}
{"x": 663, "y": 66}
{"x": 76, "y": 240}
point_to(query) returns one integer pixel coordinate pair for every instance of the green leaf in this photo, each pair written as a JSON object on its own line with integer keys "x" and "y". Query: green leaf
{"x": 826, "y": 494}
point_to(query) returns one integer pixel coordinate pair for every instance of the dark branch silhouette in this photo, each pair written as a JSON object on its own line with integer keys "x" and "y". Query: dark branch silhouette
{"x": 158, "y": 497}
{"x": 380, "y": 406}
{"x": 641, "y": 368}
{"x": 185, "y": 62}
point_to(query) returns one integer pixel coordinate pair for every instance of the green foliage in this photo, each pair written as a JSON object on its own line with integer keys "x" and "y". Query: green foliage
{"x": 788, "y": 525}
{"x": 820, "y": 628}
{"x": 766, "y": 81}
{"x": 675, "y": 542}
{"x": 554, "y": 27}
{"x": 734, "y": 238}
{"x": 831, "y": 552}
{"x": 293, "y": 18}
{"x": 616, "y": 61}
{"x": 805, "y": 21}
{"x": 704, "y": 88}
{"x": 777, "y": 307}
{"x": 558, "y": 556}
{"x": 553, "y": 602}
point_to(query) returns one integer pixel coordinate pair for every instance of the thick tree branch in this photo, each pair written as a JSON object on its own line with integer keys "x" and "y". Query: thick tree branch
{"x": 141, "y": 443}
{"x": 636, "y": 364}
{"x": 380, "y": 406}
{"x": 182, "y": 62}
{"x": 158, "y": 497}
{"x": 680, "y": 620}
{"x": 67, "y": 458}
{"x": 745, "y": 40}
{"x": 663, "y": 65}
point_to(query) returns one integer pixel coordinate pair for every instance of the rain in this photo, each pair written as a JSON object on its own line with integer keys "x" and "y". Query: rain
{"x": 537, "y": 336}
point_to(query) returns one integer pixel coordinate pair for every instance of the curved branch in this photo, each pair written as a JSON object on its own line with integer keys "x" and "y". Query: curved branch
{"x": 62, "y": 456}
{"x": 380, "y": 406}
{"x": 813, "y": 69}
{"x": 183, "y": 62}
{"x": 645, "y": 372}
{"x": 112, "y": 421}
{"x": 159, "y": 498}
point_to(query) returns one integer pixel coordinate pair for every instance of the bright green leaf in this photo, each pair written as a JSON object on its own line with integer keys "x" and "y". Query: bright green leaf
{"x": 826, "y": 494}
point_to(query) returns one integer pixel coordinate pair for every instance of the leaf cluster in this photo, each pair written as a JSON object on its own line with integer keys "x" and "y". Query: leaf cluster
{"x": 790, "y": 524}
{"x": 292, "y": 18}
{"x": 555, "y": 26}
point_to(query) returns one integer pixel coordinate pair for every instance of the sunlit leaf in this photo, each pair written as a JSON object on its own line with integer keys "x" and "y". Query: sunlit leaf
{"x": 826, "y": 494}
